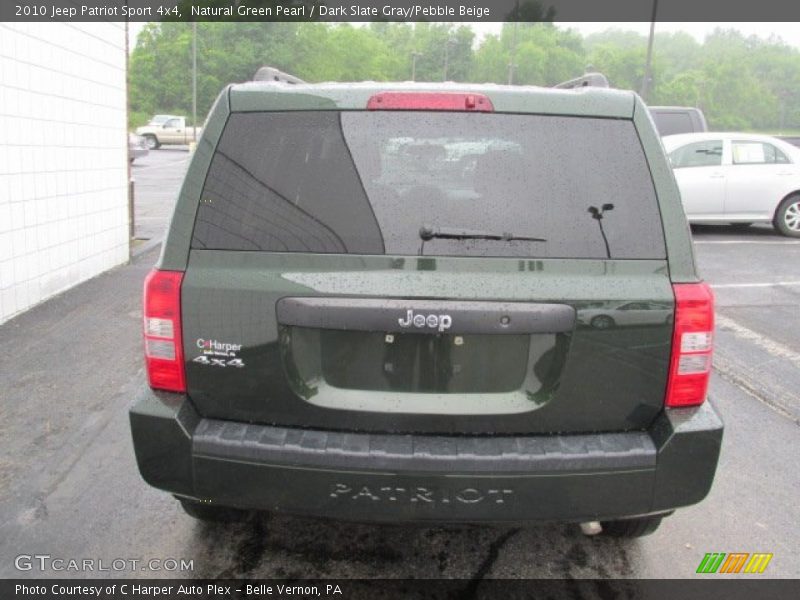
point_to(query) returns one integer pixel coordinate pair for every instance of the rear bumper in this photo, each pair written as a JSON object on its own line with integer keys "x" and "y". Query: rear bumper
{"x": 377, "y": 477}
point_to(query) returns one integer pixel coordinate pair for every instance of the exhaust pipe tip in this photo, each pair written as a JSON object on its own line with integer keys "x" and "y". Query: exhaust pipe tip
{"x": 591, "y": 528}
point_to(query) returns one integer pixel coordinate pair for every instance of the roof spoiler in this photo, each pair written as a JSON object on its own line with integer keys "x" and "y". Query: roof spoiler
{"x": 593, "y": 79}
{"x": 275, "y": 75}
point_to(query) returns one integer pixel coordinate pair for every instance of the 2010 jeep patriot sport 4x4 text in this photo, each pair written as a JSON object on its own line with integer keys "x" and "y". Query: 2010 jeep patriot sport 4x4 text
{"x": 424, "y": 302}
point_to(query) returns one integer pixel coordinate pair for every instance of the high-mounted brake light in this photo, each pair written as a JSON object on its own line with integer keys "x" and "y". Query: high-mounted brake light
{"x": 453, "y": 101}
{"x": 163, "y": 343}
{"x": 692, "y": 345}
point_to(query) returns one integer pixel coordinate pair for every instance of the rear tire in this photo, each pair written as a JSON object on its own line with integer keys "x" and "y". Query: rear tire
{"x": 212, "y": 513}
{"x": 602, "y": 322}
{"x": 151, "y": 142}
{"x": 787, "y": 217}
{"x": 631, "y": 528}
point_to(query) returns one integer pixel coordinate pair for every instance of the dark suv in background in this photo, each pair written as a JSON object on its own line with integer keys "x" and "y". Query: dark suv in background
{"x": 375, "y": 303}
{"x": 671, "y": 120}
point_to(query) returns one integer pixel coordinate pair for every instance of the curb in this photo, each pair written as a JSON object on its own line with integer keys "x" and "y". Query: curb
{"x": 146, "y": 247}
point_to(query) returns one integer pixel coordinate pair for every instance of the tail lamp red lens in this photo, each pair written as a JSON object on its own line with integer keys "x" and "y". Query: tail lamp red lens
{"x": 692, "y": 345}
{"x": 163, "y": 343}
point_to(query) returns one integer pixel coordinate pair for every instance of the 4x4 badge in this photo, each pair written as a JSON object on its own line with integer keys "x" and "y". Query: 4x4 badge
{"x": 440, "y": 322}
{"x": 219, "y": 362}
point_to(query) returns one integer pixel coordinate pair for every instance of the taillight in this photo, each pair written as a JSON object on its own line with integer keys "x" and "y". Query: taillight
{"x": 692, "y": 345}
{"x": 454, "y": 101}
{"x": 163, "y": 347}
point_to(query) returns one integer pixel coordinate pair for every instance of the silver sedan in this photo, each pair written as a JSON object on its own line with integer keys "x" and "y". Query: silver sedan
{"x": 737, "y": 178}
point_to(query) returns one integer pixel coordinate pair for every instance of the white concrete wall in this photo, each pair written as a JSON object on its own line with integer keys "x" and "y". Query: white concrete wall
{"x": 63, "y": 158}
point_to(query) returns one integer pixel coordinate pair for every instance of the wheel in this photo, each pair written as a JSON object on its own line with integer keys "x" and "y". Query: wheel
{"x": 211, "y": 512}
{"x": 631, "y": 528}
{"x": 740, "y": 225}
{"x": 151, "y": 142}
{"x": 787, "y": 217}
{"x": 602, "y": 322}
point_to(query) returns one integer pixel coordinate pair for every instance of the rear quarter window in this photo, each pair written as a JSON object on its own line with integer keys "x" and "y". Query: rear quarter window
{"x": 363, "y": 182}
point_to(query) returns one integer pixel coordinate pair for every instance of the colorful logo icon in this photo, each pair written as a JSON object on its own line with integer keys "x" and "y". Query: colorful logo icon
{"x": 734, "y": 562}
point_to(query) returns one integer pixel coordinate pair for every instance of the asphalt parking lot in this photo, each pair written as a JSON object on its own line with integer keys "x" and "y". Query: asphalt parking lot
{"x": 69, "y": 486}
{"x": 156, "y": 177}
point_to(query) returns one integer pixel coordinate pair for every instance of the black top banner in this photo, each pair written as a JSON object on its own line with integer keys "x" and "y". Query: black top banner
{"x": 401, "y": 10}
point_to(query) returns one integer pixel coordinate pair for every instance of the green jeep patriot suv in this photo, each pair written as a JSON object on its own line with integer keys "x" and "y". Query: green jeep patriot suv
{"x": 429, "y": 303}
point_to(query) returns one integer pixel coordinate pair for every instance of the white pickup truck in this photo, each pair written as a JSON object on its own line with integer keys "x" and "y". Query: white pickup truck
{"x": 168, "y": 130}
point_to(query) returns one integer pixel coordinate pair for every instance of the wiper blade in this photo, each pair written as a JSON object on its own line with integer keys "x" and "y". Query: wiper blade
{"x": 427, "y": 232}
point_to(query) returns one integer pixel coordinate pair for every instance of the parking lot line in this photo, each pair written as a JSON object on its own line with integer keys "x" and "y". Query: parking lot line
{"x": 765, "y": 343}
{"x": 754, "y": 285}
{"x": 761, "y": 242}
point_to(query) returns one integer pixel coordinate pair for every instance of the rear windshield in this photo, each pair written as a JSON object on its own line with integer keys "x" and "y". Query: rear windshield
{"x": 368, "y": 182}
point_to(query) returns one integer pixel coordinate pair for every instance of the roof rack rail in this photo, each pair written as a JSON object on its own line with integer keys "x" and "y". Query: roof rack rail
{"x": 592, "y": 79}
{"x": 275, "y": 75}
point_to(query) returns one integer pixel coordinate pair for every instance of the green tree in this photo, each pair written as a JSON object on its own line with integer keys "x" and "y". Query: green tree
{"x": 542, "y": 55}
{"x": 740, "y": 82}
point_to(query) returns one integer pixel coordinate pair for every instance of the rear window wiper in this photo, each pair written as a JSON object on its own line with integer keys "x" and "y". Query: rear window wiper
{"x": 428, "y": 232}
